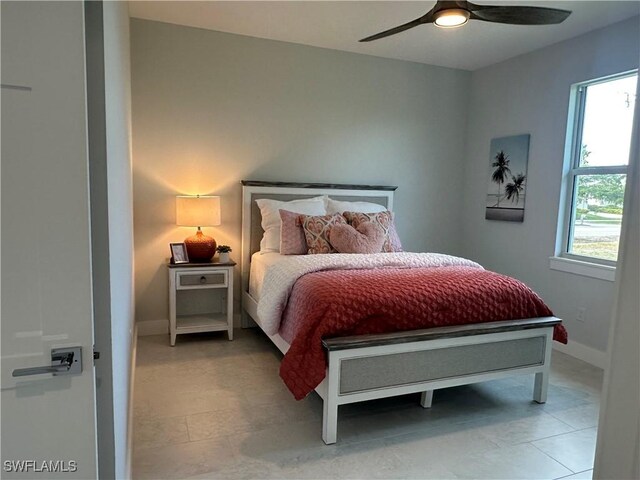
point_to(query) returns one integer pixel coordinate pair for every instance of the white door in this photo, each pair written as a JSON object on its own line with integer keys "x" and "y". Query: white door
{"x": 48, "y": 421}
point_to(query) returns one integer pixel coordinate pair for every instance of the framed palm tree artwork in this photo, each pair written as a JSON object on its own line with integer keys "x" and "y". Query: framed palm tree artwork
{"x": 506, "y": 193}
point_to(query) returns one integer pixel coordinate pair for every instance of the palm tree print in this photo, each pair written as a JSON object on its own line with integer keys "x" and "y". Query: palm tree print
{"x": 501, "y": 171}
{"x": 515, "y": 188}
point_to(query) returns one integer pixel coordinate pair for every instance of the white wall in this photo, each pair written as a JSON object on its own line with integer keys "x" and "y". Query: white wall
{"x": 530, "y": 94}
{"x": 210, "y": 109}
{"x": 618, "y": 449}
{"x": 109, "y": 108}
{"x": 120, "y": 192}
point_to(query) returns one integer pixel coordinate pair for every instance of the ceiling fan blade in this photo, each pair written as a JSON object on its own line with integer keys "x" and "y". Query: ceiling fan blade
{"x": 392, "y": 31}
{"x": 518, "y": 15}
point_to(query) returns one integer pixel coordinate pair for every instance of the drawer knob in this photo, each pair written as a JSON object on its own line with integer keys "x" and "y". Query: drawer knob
{"x": 203, "y": 279}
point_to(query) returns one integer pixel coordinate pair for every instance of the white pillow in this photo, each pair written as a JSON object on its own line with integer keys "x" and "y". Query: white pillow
{"x": 335, "y": 206}
{"x": 271, "y": 221}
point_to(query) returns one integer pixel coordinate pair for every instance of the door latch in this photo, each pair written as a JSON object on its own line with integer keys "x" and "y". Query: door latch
{"x": 64, "y": 361}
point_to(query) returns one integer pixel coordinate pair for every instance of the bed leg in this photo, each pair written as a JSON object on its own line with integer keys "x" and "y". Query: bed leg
{"x": 540, "y": 387}
{"x": 330, "y": 422}
{"x": 426, "y": 398}
{"x": 330, "y": 406}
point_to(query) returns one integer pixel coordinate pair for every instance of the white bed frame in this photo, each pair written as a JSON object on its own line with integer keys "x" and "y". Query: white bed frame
{"x": 367, "y": 367}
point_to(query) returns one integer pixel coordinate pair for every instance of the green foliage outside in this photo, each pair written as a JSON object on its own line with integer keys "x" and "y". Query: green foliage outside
{"x": 594, "y": 218}
{"x": 613, "y": 209}
{"x": 608, "y": 189}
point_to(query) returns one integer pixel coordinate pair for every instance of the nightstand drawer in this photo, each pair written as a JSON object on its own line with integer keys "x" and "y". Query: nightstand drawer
{"x": 202, "y": 280}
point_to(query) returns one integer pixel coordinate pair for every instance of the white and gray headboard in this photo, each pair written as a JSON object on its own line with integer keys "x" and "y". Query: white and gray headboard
{"x": 285, "y": 191}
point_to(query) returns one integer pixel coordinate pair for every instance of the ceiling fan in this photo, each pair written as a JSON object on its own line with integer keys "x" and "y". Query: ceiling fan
{"x": 450, "y": 14}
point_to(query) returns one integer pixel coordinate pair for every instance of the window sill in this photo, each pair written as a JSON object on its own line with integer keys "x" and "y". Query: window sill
{"x": 586, "y": 269}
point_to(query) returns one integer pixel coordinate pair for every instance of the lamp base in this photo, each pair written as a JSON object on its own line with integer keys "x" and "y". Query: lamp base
{"x": 200, "y": 247}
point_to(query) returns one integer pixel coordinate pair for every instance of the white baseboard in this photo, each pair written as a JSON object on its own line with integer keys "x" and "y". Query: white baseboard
{"x": 153, "y": 327}
{"x": 597, "y": 358}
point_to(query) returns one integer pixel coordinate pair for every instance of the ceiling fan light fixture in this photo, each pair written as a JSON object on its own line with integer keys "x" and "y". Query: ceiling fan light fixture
{"x": 451, "y": 18}
{"x": 455, "y": 13}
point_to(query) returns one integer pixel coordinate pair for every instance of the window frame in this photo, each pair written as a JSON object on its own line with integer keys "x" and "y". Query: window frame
{"x": 575, "y": 170}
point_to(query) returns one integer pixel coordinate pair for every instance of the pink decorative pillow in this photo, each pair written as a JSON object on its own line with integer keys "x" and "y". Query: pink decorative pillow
{"x": 367, "y": 238}
{"x": 292, "y": 240}
{"x": 316, "y": 231}
{"x": 384, "y": 220}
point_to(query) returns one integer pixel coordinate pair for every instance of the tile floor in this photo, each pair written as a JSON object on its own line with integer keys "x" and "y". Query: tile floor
{"x": 210, "y": 408}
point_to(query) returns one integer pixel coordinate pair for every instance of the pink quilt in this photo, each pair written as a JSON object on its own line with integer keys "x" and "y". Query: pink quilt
{"x": 336, "y": 303}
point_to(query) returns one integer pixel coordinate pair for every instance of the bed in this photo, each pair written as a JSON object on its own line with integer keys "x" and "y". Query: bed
{"x": 370, "y": 366}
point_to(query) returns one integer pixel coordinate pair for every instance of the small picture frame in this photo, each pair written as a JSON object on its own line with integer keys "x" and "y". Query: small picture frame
{"x": 179, "y": 253}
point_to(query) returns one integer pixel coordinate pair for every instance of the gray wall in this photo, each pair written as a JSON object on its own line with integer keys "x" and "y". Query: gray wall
{"x": 210, "y": 109}
{"x": 530, "y": 94}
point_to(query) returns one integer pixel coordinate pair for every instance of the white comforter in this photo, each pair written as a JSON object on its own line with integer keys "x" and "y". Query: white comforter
{"x": 280, "y": 277}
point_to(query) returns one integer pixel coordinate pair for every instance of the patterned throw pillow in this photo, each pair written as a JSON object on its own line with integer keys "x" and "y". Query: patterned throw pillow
{"x": 367, "y": 238}
{"x": 292, "y": 239}
{"x": 316, "y": 231}
{"x": 385, "y": 220}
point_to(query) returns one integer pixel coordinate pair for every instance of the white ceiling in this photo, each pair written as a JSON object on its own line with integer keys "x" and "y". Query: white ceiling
{"x": 340, "y": 24}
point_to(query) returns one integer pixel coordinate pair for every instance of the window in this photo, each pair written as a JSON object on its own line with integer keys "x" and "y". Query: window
{"x": 601, "y": 142}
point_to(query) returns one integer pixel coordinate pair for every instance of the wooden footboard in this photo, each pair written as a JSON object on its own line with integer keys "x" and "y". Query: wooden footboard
{"x": 375, "y": 366}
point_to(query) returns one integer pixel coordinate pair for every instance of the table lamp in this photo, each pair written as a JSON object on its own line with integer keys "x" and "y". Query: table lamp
{"x": 198, "y": 211}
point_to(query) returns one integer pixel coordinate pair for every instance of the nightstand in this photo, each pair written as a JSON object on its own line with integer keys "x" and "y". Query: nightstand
{"x": 200, "y": 298}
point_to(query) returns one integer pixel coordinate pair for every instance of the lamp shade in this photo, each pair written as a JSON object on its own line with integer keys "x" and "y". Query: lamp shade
{"x": 199, "y": 211}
